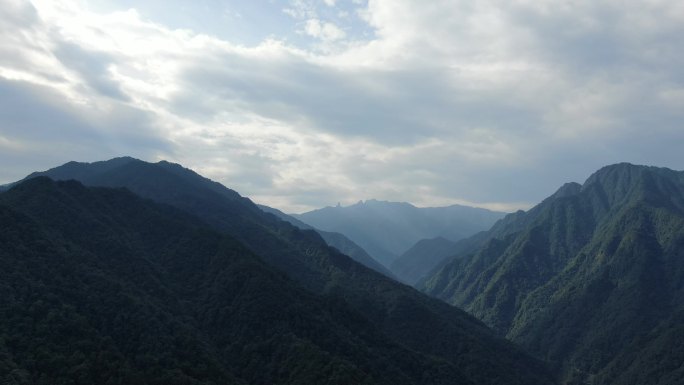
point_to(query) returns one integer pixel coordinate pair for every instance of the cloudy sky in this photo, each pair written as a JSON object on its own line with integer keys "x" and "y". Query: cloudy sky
{"x": 300, "y": 104}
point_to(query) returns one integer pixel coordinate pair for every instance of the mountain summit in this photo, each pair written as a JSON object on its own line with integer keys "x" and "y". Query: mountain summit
{"x": 468, "y": 351}
{"x": 388, "y": 229}
{"x": 590, "y": 279}
{"x": 100, "y": 286}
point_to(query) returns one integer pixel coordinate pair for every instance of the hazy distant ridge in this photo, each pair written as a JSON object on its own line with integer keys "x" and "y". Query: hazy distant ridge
{"x": 336, "y": 240}
{"x": 387, "y": 229}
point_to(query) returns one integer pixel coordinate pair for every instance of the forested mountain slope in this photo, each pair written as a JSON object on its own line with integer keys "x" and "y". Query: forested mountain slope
{"x": 405, "y": 316}
{"x": 336, "y": 240}
{"x": 422, "y": 257}
{"x": 99, "y": 286}
{"x": 591, "y": 279}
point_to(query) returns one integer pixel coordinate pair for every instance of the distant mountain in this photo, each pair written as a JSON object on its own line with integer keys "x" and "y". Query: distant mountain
{"x": 469, "y": 351}
{"x": 428, "y": 255}
{"x": 345, "y": 245}
{"x": 388, "y": 229}
{"x": 421, "y": 258}
{"x": 591, "y": 279}
{"x": 100, "y": 286}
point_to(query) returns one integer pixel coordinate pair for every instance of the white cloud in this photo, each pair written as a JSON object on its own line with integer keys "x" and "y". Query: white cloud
{"x": 494, "y": 102}
{"x": 323, "y": 30}
{"x": 301, "y": 9}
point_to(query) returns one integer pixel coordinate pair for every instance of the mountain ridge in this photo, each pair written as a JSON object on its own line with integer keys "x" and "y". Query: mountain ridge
{"x": 388, "y": 229}
{"x": 404, "y": 315}
{"x": 581, "y": 275}
{"x": 337, "y": 240}
{"x": 421, "y": 258}
{"x": 106, "y": 286}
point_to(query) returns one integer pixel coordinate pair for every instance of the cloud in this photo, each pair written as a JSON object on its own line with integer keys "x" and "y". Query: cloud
{"x": 491, "y": 102}
{"x": 323, "y": 30}
{"x": 91, "y": 66}
{"x": 40, "y": 129}
{"x": 301, "y": 9}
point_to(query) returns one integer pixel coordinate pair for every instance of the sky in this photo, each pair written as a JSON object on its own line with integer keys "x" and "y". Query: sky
{"x": 301, "y": 104}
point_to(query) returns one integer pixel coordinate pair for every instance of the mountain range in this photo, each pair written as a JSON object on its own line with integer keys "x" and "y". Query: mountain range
{"x": 226, "y": 292}
{"x": 386, "y": 230}
{"x": 590, "y": 280}
{"x": 337, "y": 240}
{"x": 101, "y": 286}
{"x": 148, "y": 273}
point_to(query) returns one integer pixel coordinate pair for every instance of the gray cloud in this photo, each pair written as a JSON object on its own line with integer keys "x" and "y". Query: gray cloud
{"x": 446, "y": 101}
{"x": 92, "y": 66}
{"x": 39, "y": 128}
{"x": 391, "y": 107}
{"x": 18, "y": 15}
{"x": 35, "y": 113}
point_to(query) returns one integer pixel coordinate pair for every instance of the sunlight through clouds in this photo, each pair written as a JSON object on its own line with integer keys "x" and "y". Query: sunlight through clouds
{"x": 359, "y": 100}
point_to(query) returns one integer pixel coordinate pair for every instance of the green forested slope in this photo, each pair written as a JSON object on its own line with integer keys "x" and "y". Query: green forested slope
{"x": 591, "y": 279}
{"x": 421, "y": 258}
{"x": 100, "y": 286}
{"x": 405, "y": 316}
{"x": 337, "y": 240}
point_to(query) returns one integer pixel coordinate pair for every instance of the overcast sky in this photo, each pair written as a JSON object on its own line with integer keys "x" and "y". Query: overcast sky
{"x": 301, "y": 104}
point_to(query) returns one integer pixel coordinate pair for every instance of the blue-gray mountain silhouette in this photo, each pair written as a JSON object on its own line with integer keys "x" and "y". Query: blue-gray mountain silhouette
{"x": 388, "y": 229}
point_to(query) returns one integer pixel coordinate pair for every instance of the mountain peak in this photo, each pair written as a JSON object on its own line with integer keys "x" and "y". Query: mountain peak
{"x": 627, "y": 181}
{"x": 369, "y": 301}
{"x": 601, "y": 261}
{"x": 614, "y": 172}
{"x": 39, "y": 182}
{"x": 568, "y": 189}
{"x": 628, "y": 173}
{"x": 118, "y": 161}
{"x": 382, "y": 203}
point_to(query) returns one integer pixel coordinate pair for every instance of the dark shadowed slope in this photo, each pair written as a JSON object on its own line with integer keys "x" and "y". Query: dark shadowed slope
{"x": 99, "y": 286}
{"x": 387, "y": 229}
{"x": 404, "y": 315}
{"x": 421, "y": 258}
{"x": 591, "y": 279}
{"x": 339, "y": 241}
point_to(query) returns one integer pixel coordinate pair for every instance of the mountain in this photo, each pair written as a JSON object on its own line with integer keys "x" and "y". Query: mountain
{"x": 345, "y": 245}
{"x": 101, "y": 286}
{"x": 403, "y": 315}
{"x": 427, "y": 255}
{"x": 591, "y": 279}
{"x": 421, "y": 258}
{"x": 387, "y": 229}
